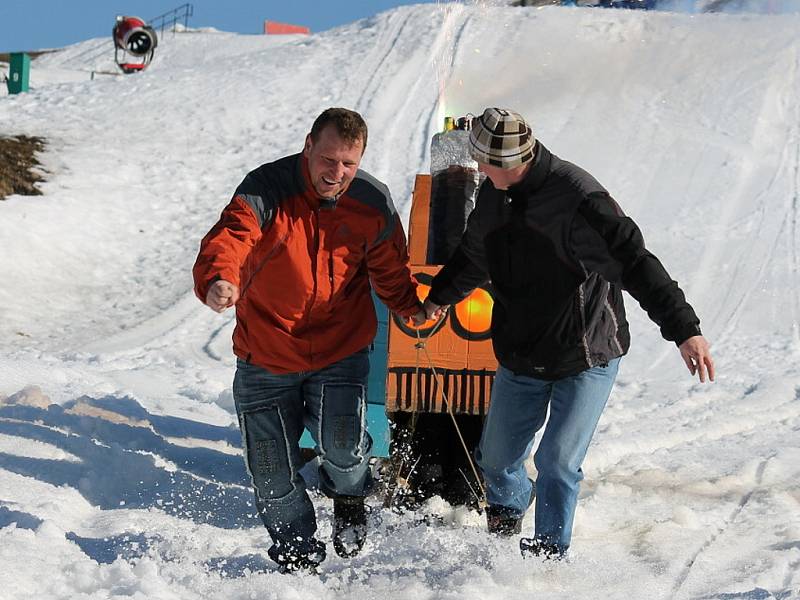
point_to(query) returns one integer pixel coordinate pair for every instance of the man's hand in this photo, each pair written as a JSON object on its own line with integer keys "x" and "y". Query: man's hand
{"x": 425, "y": 314}
{"x": 697, "y": 356}
{"x": 433, "y": 311}
{"x": 221, "y": 295}
{"x": 418, "y": 319}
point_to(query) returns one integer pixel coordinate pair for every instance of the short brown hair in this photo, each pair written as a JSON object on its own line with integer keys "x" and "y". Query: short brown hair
{"x": 350, "y": 125}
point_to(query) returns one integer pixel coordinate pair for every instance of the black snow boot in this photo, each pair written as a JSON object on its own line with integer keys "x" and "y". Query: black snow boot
{"x": 293, "y": 560}
{"x": 503, "y": 521}
{"x": 349, "y": 525}
{"x": 530, "y": 547}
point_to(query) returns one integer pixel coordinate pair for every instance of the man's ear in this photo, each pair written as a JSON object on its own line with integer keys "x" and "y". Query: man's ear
{"x": 307, "y": 145}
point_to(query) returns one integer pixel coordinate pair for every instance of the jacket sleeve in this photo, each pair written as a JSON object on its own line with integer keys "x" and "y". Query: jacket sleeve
{"x": 224, "y": 248}
{"x": 465, "y": 270}
{"x": 642, "y": 274}
{"x": 387, "y": 262}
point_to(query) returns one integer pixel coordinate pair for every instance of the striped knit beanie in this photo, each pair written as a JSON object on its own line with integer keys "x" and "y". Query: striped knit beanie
{"x": 501, "y": 138}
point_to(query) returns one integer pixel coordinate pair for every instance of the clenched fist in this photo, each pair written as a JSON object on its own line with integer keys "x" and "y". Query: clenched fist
{"x": 221, "y": 295}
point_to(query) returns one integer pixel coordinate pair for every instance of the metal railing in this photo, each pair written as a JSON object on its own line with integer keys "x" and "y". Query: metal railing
{"x": 172, "y": 18}
{"x": 91, "y": 53}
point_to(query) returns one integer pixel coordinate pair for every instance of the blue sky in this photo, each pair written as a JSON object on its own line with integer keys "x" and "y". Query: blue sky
{"x": 34, "y": 24}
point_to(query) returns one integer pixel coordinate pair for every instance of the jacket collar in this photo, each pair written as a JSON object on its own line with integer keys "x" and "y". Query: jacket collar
{"x": 535, "y": 176}
{"x": 304, "y": 180}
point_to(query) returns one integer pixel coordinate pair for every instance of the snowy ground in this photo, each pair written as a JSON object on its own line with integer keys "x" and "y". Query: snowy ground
{"x": 130, "y": 485}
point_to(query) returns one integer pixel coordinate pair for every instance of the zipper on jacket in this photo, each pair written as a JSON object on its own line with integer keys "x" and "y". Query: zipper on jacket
{"x": 314, "y": 261}
{"x": 613, "y": 316}
{"x": 582, "y": 315}
{"x": 330, "y": 272}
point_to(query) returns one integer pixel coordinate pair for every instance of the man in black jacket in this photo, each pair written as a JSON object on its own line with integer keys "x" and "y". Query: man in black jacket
{"x": 558, "y": 252}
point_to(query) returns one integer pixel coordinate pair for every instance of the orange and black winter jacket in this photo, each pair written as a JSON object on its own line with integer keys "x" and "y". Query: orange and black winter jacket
{"x": 303, "y": 266}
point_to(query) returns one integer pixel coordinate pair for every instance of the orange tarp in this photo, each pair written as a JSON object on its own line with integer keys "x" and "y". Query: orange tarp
{"x": 275, "y": 28}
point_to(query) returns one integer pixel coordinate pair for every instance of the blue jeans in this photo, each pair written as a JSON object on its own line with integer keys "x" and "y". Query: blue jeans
{"x": 517, "y": 411}
{"x": 272, "y": 410}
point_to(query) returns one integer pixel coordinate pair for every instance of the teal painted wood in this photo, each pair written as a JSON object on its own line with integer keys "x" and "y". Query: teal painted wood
{"x": 379, "y": 356}
{"x": 377, "y": 423}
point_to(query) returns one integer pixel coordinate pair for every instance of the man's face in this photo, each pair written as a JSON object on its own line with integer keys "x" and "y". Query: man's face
{"x": 501, "y": 178}
{"x": 332, "y": 161}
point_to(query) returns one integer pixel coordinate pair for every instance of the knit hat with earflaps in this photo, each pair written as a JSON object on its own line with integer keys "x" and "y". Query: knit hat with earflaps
{"x": 501, "y": 138}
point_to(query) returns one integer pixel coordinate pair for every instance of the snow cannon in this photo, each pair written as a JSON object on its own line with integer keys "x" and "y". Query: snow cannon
{"x": 439, "y": 375}
{"x": 134, "y": 44}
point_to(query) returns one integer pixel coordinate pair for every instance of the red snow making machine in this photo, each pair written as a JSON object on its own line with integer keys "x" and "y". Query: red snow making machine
{"x": 134, "y": 44}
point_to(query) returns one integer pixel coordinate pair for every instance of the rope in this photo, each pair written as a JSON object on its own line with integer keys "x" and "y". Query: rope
{"x": 402, "y": 482}
{"x": 398, "y": 481}
{"x": 420, "y": 345}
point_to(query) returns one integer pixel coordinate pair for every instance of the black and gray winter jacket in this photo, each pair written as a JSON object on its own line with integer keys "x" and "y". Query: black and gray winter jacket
{"x": 558, "y": 250}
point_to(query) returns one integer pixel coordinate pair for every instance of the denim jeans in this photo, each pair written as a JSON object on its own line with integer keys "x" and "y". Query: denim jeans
{"x": 517, "y": 411}
{"x": 273, "y": 409}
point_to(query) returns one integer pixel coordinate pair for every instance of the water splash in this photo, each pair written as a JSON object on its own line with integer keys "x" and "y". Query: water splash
{"x": 443, "y": 61}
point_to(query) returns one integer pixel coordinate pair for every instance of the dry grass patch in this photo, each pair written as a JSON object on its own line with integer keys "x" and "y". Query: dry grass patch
{"x": 20, "y": 170}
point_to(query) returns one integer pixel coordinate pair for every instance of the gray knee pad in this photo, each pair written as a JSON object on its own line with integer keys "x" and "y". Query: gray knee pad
{"x": 342, "y": 424}
{"x": 267, "y": 453}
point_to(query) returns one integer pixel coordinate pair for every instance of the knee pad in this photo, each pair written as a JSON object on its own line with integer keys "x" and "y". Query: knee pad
{"x": 266, "y": 453}
{"x": 342, "y": 424}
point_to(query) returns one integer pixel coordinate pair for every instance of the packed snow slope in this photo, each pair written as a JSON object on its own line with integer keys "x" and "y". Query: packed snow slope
{"x": 121, "y": 476}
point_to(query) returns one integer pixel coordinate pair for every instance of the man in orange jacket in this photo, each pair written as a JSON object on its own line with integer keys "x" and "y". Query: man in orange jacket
{"x": 295, "y": 251}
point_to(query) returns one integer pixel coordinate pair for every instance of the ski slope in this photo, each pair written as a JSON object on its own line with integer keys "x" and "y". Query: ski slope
{"x": 121, "y": 476}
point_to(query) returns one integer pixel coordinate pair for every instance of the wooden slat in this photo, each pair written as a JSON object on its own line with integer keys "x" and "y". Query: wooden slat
{"x": 419, "y": 221}
{"x": 467, "y": 392}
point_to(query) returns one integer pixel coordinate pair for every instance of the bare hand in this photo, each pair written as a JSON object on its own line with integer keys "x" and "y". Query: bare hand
{"x": 419, "y": 318}
{"x": 697, "y": 356}
{"x": 433, "y": 311}
{"x": 221, "y": 295}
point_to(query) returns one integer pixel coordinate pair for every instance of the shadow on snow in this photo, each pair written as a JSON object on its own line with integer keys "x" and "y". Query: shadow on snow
{"x": 131, "y": 466}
